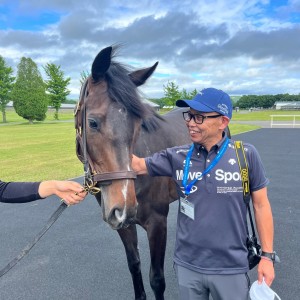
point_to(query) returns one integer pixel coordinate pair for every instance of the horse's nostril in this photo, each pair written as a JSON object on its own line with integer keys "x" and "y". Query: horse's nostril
{"x": 116, "y": 218}
{"x": 119, "y": 214}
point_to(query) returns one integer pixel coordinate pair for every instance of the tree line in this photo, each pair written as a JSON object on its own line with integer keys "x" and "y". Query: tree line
{"x": 264, "y": 101}
{"x": 172, "y": 93}
{"x": 30, "y": 93}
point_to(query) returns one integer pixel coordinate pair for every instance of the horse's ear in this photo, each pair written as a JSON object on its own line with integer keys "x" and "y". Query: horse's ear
{"x": 140, "y": 76}
{"x": 101, "y": 63}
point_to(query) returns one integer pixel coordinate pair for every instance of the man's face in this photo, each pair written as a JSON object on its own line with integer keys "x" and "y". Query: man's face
{"x": 210, "y": 131}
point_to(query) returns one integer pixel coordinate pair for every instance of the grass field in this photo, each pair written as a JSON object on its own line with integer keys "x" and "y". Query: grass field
{"x": 243, "y": 115}
{"x": 46, "y": 150}
{"x": 263, "y": 115}
{"x": 12, "y": 117}
{"x": 38, "y": 152}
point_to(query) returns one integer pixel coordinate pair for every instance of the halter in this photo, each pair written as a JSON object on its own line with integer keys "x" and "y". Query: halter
{"x": 90, "y": 180}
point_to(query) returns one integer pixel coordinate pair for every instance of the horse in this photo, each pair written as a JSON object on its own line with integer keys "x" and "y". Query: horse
{"x": 112, "y": 123}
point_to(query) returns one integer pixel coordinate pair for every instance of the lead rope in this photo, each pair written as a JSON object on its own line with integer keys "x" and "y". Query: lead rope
{"x": 25, "y": 251}
{"x": 89, "y": 186}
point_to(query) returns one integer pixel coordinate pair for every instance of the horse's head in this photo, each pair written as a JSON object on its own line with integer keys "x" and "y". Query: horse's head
{"x": 108, "y": 120}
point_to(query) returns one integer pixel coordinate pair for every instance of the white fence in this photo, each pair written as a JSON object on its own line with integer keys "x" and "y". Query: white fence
{"x": 290, "y": 119}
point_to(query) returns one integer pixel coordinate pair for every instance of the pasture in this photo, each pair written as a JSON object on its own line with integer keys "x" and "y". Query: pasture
{"x": 262, "y": 115}
{"x": 38, "y": 152}
{"x": 46, "y": 150}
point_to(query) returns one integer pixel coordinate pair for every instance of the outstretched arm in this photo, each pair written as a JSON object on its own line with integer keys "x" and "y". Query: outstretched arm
{"x": 20, "y": 192}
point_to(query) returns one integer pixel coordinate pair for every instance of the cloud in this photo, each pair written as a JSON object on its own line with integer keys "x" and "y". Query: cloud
{"x": 240, "y": 46}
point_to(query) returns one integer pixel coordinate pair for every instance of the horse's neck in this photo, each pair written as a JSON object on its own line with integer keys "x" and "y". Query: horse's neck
{"x": 171, "y": 132}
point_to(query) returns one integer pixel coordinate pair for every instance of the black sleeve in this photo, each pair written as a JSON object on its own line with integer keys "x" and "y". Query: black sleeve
{"x": 19, "y": 192}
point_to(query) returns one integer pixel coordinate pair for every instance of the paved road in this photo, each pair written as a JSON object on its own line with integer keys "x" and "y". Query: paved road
{"x": 279, "y": 149}
{"x": 81, "y": 258}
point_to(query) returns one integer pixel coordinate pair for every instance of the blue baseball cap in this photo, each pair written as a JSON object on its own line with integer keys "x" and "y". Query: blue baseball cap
{"x": 209, "y": 100}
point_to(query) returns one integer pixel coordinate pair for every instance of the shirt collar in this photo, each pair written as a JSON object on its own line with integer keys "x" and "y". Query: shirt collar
{"x": 216, "y": 147}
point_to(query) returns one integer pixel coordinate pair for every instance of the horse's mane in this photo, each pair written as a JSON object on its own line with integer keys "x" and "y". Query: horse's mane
{"x": 122, "y": 90}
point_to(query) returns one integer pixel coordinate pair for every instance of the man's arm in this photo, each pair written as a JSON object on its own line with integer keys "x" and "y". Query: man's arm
{"x": 139, "y": 165}
{"x": 264, "y": 225}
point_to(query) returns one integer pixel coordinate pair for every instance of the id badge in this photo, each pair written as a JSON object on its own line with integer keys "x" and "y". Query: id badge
{"x": 187, "y": 208}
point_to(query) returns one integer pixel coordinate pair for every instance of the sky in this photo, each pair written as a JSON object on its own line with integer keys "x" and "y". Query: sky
{"x": 240, "y": 46}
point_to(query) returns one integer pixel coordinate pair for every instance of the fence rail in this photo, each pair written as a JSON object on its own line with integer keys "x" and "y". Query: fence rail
{"x": 291, "y": 122}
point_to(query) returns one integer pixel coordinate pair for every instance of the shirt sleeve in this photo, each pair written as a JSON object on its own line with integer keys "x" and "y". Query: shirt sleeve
{"x": 160, "y": 164}
{"x": 257, "y": 173}
{"x": 19, "y": 192}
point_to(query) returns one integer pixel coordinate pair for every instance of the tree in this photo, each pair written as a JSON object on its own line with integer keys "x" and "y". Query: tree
{"x": 159, "y": 101}
{"x": 188, "y": 95}
{"x": 290, "y": 98}
{"x": 171, "y": 92}
{"x": 56, "y": 86}
{"x": 29, "y": 92}
{"x": 193, "y": 93}
{"x": 6, "y": 85}
{"x": 184, "y": 94}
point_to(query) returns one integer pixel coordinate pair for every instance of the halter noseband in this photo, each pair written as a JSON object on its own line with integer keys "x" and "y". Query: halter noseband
{"x": 90, "y": 180}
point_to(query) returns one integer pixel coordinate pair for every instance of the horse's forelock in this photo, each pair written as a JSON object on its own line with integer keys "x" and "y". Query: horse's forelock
{"x": 123, "y": 90}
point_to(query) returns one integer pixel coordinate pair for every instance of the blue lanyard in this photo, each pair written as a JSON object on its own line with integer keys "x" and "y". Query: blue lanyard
{"x": 188, "y": 187}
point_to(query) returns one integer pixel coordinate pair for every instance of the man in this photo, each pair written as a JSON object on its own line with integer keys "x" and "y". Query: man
{"x": 70, "y": 192}
{"x": 210, "y": 252}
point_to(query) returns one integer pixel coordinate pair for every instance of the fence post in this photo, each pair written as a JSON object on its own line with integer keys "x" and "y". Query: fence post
{"x": 294, "y": 124}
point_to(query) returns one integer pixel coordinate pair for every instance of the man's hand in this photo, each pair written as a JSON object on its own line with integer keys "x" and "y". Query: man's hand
{"x": 265, "y": 271}
{"x": 138, "y": 165}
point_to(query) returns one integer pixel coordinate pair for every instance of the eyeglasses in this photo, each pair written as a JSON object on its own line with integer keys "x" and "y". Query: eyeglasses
{"x": 199, "y": 119}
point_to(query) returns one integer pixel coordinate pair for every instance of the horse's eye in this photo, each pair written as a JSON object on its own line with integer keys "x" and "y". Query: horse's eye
{"x": 93, "y": 124}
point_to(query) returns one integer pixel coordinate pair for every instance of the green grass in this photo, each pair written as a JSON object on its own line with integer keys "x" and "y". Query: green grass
{"x": 38, "y": 152}
{"x": 46, "y": 150}
{"x": 263, "y": 115}
{"x": 243, "y": 115}
{"x": 13, "y": 117}
{"x": 241, "y": 128}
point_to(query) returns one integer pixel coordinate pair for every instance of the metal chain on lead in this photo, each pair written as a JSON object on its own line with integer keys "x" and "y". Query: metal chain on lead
{"x": 90, "y": 186}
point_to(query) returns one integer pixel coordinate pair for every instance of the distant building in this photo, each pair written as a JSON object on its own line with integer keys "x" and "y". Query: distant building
{"x": 152, "y": 104}
{"x": 286, "y": 105}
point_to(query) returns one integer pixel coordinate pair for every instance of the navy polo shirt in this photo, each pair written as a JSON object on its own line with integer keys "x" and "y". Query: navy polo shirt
{"x": 214, "y": 242}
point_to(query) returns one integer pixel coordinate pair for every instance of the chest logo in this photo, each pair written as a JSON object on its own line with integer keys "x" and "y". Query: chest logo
{"x": 232, "y": 161}
{"x": 184, "y": 163}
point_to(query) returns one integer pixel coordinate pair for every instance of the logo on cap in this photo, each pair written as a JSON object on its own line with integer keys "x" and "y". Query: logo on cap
{"x": 223, "y": 108}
